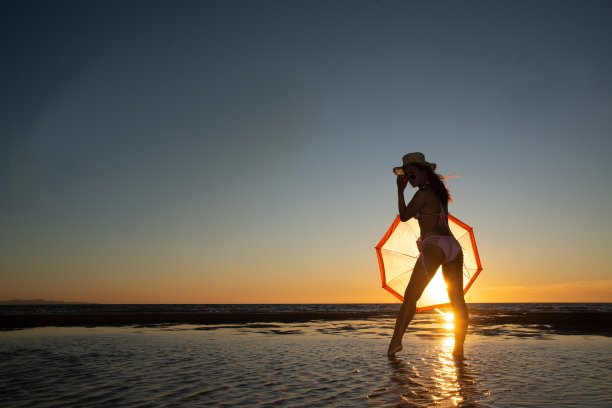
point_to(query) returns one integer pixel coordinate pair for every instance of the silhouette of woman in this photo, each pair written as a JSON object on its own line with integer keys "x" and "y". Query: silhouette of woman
{"x": 437, "y": 246}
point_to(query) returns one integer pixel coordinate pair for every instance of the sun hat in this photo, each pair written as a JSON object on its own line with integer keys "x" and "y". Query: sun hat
{"x": 413, "y": 158}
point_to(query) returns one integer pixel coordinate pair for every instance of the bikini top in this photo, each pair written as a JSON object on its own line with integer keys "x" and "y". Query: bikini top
{"x": 443, "y": 216}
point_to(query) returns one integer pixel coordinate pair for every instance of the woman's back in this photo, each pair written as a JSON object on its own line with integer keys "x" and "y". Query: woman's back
{"x": 432, "y": 214}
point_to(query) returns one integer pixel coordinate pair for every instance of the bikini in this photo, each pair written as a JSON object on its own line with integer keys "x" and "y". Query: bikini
{"x": 447, "y": 243}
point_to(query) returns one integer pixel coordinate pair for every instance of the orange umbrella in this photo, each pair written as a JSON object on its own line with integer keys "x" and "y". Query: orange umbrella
{"x": 397, "y": 253}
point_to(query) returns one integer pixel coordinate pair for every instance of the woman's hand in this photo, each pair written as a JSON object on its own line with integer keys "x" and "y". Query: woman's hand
{"x": 402, "y": 182}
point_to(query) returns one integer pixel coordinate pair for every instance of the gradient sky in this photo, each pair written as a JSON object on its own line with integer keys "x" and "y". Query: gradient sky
{"x": 241, "y": 151}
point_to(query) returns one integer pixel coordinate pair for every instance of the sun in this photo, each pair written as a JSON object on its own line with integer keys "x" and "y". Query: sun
{"x": 435, "y": 293}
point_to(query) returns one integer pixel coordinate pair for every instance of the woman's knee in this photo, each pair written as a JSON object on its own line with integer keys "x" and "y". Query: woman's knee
{"x": 410, "y": 299}
{"x": 457, "y": 301}
{"x": 460, "y": 312}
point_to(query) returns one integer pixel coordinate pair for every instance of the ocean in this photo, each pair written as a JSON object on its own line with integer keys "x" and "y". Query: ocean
{"x": 331, "y": 355}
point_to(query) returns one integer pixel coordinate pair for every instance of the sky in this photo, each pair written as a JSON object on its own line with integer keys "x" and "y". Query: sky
{"x": 242, "y": 151}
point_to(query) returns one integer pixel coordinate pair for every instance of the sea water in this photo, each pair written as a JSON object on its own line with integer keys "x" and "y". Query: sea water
{"x": 306, "y": 363}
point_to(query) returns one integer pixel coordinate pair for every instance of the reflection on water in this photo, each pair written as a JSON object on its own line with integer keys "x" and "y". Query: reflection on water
{"x": 301, "y": 364}
{"x": 449, "y": 318}
{"x": 453, "y": 378}
{"x": 436, "y": 378}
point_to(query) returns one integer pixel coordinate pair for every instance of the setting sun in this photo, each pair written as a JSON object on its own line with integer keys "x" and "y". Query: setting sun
{"x": 435, "y": 293}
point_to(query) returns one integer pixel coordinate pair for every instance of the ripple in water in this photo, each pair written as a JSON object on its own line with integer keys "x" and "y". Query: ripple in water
{"x": 327, "y": 363}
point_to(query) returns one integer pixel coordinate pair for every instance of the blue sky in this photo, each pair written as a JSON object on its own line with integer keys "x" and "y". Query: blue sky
{"x": 228, "y": 151}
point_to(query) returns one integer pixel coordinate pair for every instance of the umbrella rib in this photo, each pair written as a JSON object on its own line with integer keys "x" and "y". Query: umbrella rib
{"x": 399, "y": 276}
{"x": 399, "y": 253}
{"x": 413, "y": 231}
{"x": 462, "y": 235}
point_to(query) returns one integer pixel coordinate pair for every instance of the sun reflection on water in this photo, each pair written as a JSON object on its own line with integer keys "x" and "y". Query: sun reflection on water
{"x": 445, "y": 374}
{"x": 449, "y": 318}
{"x": 432, "y": 376}
{"x": 454, "y": 381}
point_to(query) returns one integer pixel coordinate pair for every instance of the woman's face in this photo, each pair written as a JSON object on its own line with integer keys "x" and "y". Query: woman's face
{"x": 416, "y": 176}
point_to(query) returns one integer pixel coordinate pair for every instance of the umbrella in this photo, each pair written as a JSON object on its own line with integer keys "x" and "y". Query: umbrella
{"x": 397, "y": 253}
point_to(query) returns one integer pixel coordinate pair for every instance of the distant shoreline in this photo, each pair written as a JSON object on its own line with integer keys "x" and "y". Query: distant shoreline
{"x": 37, "y": 302}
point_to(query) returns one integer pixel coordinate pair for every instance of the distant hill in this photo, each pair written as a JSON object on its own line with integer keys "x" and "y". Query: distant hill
{"x": 16, "y": 302}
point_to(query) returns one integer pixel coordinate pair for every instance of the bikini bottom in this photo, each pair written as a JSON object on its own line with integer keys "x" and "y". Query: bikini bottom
{"x": 447, "y": 243}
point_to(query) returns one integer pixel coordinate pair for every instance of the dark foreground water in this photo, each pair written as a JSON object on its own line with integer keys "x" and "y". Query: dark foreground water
{"x": 303, "y": 363}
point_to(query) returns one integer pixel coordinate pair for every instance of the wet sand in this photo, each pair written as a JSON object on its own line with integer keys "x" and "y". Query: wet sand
{"x": 560, "y": 322}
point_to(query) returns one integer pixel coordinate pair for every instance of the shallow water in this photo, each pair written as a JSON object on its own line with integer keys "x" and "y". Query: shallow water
{"x": 357, "y": 308}
{"x": 322, "y": 363}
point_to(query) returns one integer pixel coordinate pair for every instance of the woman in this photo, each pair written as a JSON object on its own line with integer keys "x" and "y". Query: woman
{"x": 429, "y": 206}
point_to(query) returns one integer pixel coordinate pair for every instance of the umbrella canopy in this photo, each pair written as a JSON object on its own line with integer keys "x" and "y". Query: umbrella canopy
{"x": 397, "y": 253}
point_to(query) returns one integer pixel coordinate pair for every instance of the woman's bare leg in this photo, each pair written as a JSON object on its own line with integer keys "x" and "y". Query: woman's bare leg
{"x": 453, "y": 275}
{"x": 416, "y": 286}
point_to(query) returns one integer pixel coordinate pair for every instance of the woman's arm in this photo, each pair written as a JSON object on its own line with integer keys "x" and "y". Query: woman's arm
{"x": 406, "y": 212}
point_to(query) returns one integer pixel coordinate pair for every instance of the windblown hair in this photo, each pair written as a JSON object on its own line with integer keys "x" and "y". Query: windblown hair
{"x": 437, "y": 183}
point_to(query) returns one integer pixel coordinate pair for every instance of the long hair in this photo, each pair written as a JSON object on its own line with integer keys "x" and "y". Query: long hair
{"x": 436, "y": 181}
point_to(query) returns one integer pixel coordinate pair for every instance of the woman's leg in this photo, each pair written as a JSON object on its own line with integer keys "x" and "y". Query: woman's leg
{"x": 453, "y": 275}
{"x": 418, "y": 281}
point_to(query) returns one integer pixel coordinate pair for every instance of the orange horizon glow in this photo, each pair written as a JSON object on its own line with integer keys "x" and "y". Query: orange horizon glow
{"x": 572, "y": 292}
{"x": 261, "y": 287}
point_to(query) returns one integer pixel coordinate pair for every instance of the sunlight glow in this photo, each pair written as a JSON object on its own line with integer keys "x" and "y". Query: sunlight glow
{"x": 449, "y": 318}
{"x": 435, "y": 293}
{"x": 448, "y": 343}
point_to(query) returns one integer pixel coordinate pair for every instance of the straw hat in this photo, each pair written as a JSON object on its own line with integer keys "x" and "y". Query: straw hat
{"x": 413, "y": 158}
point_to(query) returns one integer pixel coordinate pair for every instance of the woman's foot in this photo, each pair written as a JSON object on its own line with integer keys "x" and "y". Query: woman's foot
{"x": 394, "y": 348}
